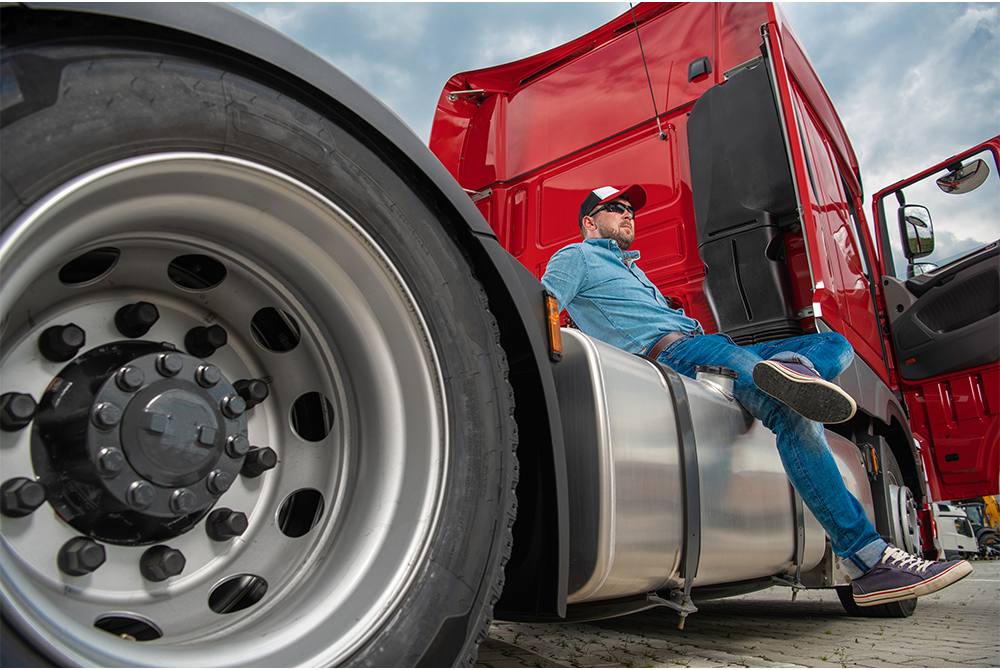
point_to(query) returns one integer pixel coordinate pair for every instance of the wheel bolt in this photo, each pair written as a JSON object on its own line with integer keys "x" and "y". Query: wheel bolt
{"x": 219, "y": 482}
{"x": 233, "y": 406}
{"x": 107, "y": 415}
{"x": 259, "y": 461}
{"x": 223, "y": 524}
{"x": 253, "y": 391}
{"x": 110, "y": 461}
{"x": 16, "y": 411}
{"x": 136, "y": 319}
{"x": 130, "y": 378}
{"x": 202, "y": 342}
{"x": 20, "y": 496}
{"x": 208, "y": 375}
{"x": 182, "y": 501}
{"x": 237, "y": 446}
{"x": 161, "y": 562}
{"x": 169, "y": 365}
{"x": 81, "y": 556}
{"x": 140, "y": 495}
{"x": 61, "y": 343}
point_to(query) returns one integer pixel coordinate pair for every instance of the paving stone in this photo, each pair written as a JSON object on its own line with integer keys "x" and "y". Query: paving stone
{"x": 959, "y": 626}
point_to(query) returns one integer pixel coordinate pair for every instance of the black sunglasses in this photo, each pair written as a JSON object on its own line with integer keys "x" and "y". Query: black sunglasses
{"x": 616, "y": 208}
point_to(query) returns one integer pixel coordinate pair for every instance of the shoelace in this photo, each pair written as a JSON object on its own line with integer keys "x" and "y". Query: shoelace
{"x": 905, "y": 560}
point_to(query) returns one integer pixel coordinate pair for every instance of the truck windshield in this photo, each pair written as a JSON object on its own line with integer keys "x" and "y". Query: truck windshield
{"x": 975, "y": 514}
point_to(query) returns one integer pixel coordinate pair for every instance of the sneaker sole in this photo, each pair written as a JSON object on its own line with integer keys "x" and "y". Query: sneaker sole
{"x": 815, "y": 399}
{"x": 935, "y": 583}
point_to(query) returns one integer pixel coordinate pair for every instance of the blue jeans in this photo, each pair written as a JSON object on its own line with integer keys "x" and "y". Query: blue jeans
{"x": 802, "y": 444}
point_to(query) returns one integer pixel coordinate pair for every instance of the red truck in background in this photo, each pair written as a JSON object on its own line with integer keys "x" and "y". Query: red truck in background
{"x": 276, "y": 391}
{"x": 756, "y": 221}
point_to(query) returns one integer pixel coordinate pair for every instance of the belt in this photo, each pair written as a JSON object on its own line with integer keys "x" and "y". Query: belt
{"x": 662, "y": 344}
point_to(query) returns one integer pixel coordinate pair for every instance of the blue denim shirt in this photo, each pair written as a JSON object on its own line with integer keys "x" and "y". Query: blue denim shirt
{"x": 611, "y": 298}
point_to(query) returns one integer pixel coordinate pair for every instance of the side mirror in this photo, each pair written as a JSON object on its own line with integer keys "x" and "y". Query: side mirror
{"x": 964, "y": 179}
{"x": 915, "y": 227}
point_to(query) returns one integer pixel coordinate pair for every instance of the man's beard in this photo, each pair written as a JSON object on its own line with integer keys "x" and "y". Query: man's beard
{"x": 623, "y": 236}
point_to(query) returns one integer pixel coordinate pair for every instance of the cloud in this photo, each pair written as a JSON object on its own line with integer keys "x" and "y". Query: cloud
{"x": 913, "y": 83}
{"x": 286, "y": 18}
{"x": 392, "y": 84}
{"x": 404, "y": 52}
{"x": 496, "y": 48}
{"x": 393, "y": 24}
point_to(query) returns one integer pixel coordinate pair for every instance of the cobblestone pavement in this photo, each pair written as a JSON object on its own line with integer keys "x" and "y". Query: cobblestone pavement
{"x": 959, "y": 626}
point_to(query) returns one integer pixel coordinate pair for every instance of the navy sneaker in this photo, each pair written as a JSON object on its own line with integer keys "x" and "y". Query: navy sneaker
{"x": 901, "y": 576}
{"x": 799, "y": 387}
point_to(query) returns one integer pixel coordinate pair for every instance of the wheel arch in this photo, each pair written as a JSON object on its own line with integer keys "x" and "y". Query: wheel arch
{"x": 895, "y": 428}
{"x": 536, "y": 572}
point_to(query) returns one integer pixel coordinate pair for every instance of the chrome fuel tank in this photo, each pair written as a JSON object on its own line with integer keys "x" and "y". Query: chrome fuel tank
{"x": 626, "y": 490}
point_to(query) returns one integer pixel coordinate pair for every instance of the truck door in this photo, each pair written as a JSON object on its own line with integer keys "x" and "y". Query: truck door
{"x": 940, "y": 262}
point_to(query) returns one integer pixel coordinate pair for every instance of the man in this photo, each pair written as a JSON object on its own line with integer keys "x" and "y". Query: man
{"x": 784, "y": 383}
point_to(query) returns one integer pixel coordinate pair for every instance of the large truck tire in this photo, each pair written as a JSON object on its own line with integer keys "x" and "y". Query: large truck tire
{"x": 989, "y": 544}
{"x": 904, "y": 533}
{"x": 359, "y": 348}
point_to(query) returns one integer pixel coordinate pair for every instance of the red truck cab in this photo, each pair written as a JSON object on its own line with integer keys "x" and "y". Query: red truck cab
{"x": 755, "y": 221}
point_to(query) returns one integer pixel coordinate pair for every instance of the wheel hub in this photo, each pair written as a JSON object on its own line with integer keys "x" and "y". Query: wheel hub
{"x": 134, "y": 441}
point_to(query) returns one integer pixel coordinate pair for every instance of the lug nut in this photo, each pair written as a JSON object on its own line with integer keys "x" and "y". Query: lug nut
{"x": 253, "y": 391}
{"x": 61, "y": 343}
{"x": 219, "y": 482}
{"x": 81, "y": 556}
{"x": 202, "y": 342}
{"x": 237, "y": 446}
{"x": 161, "y": 562}
{"x": 223, "y": 524}
{"x": 233, "y": 406}
{"x": 21, "y": 496}
{"x": 182, "y": 501}
{"x": 140, "y": 495}
{"x": 16, "y": 411}
{"x": 169, "y": 365}
{"x": 130, "y": 378}
{"x": 107, "y": 415}
{"x": 208, "y": 375}
{"x": 110, "y": 461}
{"x": 259, "y": 461}
{"x": 136, "y": 319}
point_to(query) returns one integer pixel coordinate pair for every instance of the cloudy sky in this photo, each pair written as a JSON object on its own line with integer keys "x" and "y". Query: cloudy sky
{"x": 913, "y": 83}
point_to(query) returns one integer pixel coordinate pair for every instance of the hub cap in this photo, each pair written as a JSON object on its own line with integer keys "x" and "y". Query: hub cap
{"x": 141, "y": 472}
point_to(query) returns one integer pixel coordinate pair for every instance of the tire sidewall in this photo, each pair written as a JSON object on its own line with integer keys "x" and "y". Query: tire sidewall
{"x": 176, "y": 103}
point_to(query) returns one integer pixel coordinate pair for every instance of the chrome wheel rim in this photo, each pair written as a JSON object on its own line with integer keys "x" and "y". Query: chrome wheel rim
{"x": 905, "y": 522}
{"x": 363, "y": 345}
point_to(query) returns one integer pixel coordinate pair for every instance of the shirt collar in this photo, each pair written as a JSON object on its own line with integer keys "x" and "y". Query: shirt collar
{"x": 627, "y": 257}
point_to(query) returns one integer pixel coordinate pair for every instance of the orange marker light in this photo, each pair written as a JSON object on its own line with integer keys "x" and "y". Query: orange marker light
{"x": 555, "y": 335}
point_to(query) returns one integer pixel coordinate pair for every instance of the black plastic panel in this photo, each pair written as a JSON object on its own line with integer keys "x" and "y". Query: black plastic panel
{"x": 953, "y": 325}
{"x": 739, "y": 164}
{"x": 742, "y": 187}
{"x": 746, "y": 286}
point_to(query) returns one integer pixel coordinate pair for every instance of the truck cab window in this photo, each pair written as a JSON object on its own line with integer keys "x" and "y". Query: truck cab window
{"x": 855, "y": 226}
{"x": 962, "y": 221}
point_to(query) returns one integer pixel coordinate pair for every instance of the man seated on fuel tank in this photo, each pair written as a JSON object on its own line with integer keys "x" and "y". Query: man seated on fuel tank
{"x": 784, "y": 383}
